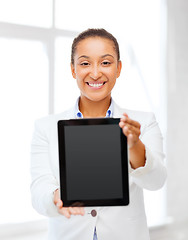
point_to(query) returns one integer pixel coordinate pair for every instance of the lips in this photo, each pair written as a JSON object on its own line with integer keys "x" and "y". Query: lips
{"x": 96, "y": 85}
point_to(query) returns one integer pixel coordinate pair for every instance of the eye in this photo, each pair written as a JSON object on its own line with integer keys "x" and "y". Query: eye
{"x": 84, "y": 64}
{"x": 106, "y": 63}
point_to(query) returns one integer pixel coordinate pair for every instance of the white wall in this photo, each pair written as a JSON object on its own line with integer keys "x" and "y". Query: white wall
{"x": 177, "y": 123}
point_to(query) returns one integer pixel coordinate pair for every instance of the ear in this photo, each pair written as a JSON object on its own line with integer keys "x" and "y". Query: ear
{"x": 73, "y": 71}
{"x": 119, "y": 68}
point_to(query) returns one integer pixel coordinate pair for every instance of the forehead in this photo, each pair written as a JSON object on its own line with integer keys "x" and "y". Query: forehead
{"x": 95, "y": 46}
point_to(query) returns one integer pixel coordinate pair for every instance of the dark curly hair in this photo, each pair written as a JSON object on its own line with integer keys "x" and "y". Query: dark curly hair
{"x": 94, "y": 32}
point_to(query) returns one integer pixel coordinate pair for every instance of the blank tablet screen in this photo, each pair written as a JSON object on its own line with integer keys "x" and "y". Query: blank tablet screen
{"x": 93, "y": 162}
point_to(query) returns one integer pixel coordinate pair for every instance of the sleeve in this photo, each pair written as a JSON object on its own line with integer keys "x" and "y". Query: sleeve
{"x": 153, "y": 175}
{"x": 43, "y": 182}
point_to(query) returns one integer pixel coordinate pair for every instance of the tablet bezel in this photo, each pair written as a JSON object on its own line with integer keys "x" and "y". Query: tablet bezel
{"x": 62, "y": 164}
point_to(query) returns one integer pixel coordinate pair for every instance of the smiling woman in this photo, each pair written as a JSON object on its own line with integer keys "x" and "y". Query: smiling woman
{"x": 96, "y": 72}
{"x": 96, "y": 66}
{"x": 36, "y": 79}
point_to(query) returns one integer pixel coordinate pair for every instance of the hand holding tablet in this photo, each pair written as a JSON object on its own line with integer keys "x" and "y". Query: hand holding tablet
{"x": 93, "y": 162}
{"x": 66, "y": 211}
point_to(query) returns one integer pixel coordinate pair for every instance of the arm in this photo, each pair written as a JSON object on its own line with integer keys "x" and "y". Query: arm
{"x": 131, "y": 129}
{"x": 145, "y": 153}
{"x": 43, "y": 182}
{"x": 44, "y": 186}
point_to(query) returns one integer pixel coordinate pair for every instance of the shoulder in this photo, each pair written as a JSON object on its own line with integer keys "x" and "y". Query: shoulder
{"x": 147, "y": 120}
{"x": 52, "y": 119}
{"x": 140, "y": 116}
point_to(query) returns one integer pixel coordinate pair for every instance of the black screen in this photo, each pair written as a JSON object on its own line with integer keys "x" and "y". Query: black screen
{"x": 93, "y": 162}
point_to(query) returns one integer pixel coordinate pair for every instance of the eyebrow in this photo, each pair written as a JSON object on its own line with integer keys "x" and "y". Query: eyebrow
{"x": 103, "y": 56}
{"x": 83, "y": 56}
{"x": 107, "y": 55}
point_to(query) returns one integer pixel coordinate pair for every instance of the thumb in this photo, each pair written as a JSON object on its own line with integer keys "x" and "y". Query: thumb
{"x": 56, "y": 196}
{"x": 59, "y": 204}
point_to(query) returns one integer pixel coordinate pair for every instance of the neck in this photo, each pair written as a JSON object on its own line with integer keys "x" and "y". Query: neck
{"x": 94, "y": 109}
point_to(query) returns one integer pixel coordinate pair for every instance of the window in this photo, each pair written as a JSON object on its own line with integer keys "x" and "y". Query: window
{"x": 31, "y": 12}
{"x": 23, "y": 97}
{"x": 35, "y": 46}
{"x": 64, "y": 96}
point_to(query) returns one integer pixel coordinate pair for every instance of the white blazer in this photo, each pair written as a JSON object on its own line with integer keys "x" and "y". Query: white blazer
{"x": 112, "y": 223}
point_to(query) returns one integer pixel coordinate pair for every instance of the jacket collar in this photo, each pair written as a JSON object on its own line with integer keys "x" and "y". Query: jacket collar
{"x": 70, "y": 113}
{"x": 78, "y": 114}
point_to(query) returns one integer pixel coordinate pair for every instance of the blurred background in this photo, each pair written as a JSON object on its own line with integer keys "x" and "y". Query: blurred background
{"x": 35, "y": 80}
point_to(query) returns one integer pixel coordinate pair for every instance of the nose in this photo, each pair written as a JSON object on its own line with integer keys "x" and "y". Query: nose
{"x": 95, "y": 73}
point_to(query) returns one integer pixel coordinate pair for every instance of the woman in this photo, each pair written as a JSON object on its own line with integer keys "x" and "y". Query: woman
{"x": 95, "y": 64}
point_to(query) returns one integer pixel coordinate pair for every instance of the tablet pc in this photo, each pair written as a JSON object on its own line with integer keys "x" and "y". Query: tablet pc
{"x": 93, "y": 162}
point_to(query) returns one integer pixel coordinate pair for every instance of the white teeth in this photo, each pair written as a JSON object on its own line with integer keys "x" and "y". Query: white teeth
{"x": 95, "y": 84}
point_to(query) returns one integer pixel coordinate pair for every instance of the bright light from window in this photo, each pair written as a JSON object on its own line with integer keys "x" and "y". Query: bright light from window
{"x": 23, "y": 98}
{"x": 31, "y": 12}
{"x": 24, "y": 81}
{"x": 66, "y": 90}
{"x": 83, "y": 14}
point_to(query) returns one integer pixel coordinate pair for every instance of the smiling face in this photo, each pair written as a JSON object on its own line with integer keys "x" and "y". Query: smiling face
{"x": 96, "y": 68}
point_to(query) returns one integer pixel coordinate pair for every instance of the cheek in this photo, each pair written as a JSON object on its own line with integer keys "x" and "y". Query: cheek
{"x": 81, "y": 73}
{"x": 112, "y": 74}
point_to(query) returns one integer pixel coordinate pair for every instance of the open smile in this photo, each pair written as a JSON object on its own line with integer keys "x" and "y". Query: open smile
{"x": 95, "y": 85}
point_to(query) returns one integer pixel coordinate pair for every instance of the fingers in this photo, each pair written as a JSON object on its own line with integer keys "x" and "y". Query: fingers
{"x": 66, "y": 211}
{"x": 129, "y": 126}
{"x": 126, "y": 119}
{"x": 131, "y": 129}
{"x": 77, "y": 210}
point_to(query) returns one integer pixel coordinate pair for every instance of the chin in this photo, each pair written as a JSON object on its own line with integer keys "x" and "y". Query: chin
{"x": 97, "y": 98}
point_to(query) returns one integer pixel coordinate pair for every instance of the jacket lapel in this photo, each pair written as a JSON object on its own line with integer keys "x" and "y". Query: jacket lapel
{"x": 117, "y": 111}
